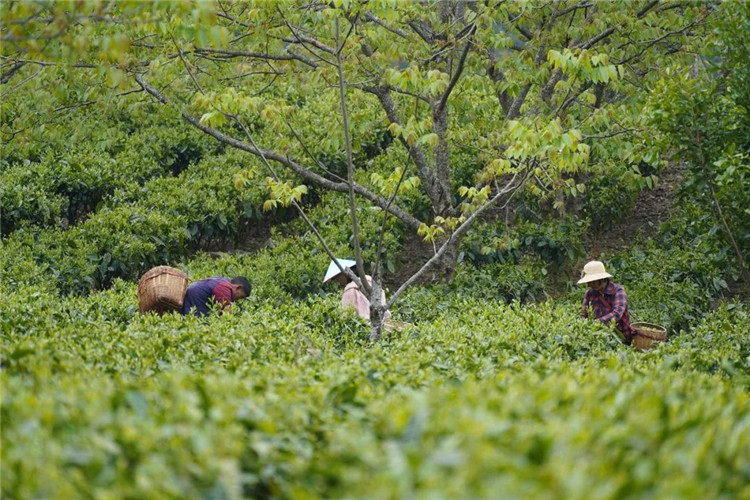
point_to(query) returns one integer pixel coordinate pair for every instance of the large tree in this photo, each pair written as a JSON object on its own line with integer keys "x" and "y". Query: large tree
{"x": 460, "y": 103}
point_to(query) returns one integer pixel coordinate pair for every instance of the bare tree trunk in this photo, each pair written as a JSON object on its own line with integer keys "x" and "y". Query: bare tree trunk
{"x": 445, "y": 266}
{"x": 443, "y": 204}
{"x": 377, "y": 309}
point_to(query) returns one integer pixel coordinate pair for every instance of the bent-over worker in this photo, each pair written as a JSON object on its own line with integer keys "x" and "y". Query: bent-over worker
{"x": 607, "y": 298}
{"x": 352, "y": 296}
{"x": 220, "y": 289}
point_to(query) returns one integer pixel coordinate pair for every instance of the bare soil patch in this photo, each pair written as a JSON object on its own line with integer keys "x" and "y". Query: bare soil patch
{"x": 652, "y": 208}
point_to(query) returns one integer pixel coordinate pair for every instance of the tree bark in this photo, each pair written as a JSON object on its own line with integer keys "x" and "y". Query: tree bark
{"x": 442, "y": 204}
{"x": 377, "y": 309}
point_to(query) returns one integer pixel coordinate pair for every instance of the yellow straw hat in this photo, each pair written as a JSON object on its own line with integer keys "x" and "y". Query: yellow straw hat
{"x": 593, "y": 271}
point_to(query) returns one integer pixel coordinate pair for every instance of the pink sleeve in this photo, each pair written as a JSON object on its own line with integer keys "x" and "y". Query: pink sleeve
{"x": 223, "y": 293}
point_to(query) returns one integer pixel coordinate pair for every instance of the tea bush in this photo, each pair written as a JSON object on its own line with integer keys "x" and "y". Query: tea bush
{"x": 489, "y": 389}
{"x": 68, "y": 177}
{"x": 558, "y": 242}
{"x": 287, "y": 398}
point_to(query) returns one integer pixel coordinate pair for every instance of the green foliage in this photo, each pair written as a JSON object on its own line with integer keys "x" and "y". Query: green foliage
{"x": 69, "y": 177}
{"x": 287, "y": 397}
{"x": 488, "y": 388}
{"x": 496, "y": 282}
{"x": 557, "y": 243}
{"x": 703, "y": 116}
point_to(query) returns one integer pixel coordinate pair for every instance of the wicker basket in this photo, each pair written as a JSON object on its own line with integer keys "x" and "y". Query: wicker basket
{"x": 645, "y": 334}
{"x": 162, "y": 289}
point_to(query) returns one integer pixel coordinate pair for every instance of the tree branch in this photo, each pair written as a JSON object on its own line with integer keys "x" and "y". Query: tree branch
{"x": 350, "y": 167}
{"x": 455, "y": 237}
{"x": 457, "y": 73}
{"x": 299, "y": 208}
{"x": 375, "y": 19}
{"x": 187, "y": 68}
{"x": 582, "y": 5}
{"x": 341, "y": 187}
{"x": 651, "y": 43}
{"x": 417, "y": 154}
{"x": 423, "y": 32}
{"x": 228, "y": 54}
{"x": 379, "y": 249}
{"x": 5, "y": 77}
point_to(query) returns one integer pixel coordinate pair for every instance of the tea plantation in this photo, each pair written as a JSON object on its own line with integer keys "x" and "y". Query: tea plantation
{"x": 206, "y": 135}
{"x": 480, "y": 397}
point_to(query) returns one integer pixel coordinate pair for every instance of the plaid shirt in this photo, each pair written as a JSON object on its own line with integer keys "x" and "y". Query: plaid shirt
{"x": 611, "y": 304}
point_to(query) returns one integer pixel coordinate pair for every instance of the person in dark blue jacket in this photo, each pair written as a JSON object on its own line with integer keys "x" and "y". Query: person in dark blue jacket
{"x": 220, "y": 289}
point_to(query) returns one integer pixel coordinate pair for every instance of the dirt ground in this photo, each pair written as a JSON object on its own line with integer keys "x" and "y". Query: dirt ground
{"x": 653, "y": 207}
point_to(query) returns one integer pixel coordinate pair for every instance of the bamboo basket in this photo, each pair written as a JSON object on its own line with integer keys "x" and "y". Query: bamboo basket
{"x": 162, "y": 289}
{"x": 645, "y": 334}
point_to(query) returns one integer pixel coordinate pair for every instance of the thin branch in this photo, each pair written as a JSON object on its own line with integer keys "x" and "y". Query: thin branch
{"x": 88, "y": 103}
{"x": 525, "y": 32}
{"x": 651, "y": 43}
{"x": 309, "y": 153}
{"x": 305, "y": 173}
{"x": 601, "y": 36}
{"x": 5, "y": 77}
{"x": 582, "y": 5}
{"x": 22, "y": 82}
{"x": 612, "y": 134}
{"x": 422, "y": 32}
{"x": 375, "y": 19}
{"x": 367, "y": 88}
{"x": 187, "y": 67}
{"x": 228, "y": 54}
{"x": 304, "y": 40}
{"x": 251, "y": 73}
{"x": 225, "y": 15}
{"x": 568, "y": 101}
{"x": 379, "y": 249}
{"x": 299, "y": 208}
{"x": 457, "y": 73}
{"x": 647, "y": 8}
{"x": 612, "y": 29}
{"x": 454, "y": 237}
{"x": 350, "y": 166}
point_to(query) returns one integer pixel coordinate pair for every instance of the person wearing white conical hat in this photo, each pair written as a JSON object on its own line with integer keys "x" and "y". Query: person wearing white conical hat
{"x": 608, "y": 299}
{"x": 352, "y": 296}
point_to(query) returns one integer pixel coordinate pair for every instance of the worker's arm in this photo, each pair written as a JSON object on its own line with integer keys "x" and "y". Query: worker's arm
{"x": 619, "y": 307}
{"x": 585, "y": 310}
{"x": 222, "y": 293}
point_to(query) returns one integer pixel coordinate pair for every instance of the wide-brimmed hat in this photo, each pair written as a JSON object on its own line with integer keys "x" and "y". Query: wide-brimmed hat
{"x": 593, "y": 271}
{"x": 333, "y": 269}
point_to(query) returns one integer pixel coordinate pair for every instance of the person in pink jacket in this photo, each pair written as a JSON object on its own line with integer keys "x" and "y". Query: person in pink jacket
{"x": 352, "y": 296}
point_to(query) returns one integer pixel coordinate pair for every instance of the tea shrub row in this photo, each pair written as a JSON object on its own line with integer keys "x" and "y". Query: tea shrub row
{"x": 288, "y": 399}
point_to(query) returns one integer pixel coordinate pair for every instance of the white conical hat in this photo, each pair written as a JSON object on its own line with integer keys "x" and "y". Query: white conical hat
{"x": 333, "y": 269}
{"x": 593, "y": 271}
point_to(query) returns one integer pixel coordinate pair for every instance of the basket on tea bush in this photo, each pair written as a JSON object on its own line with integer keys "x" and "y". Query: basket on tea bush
{"x": 646, "y": 334}
{"x": 162, "y": 289}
